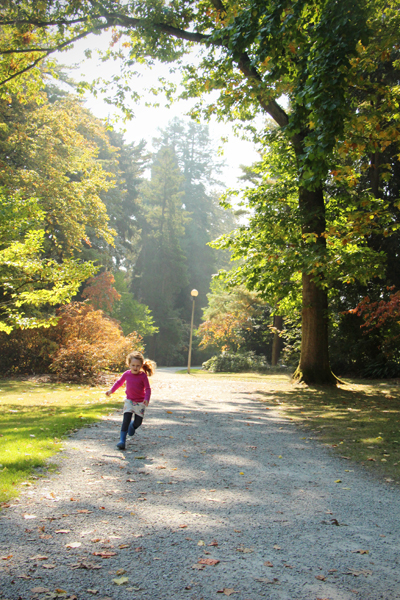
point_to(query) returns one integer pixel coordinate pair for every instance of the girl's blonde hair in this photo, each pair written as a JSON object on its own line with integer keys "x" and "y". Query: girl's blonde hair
{"x": 148, "y": 366}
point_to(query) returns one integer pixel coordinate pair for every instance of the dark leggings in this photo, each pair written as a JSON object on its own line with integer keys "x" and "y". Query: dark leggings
{"x": 127, "y": 419}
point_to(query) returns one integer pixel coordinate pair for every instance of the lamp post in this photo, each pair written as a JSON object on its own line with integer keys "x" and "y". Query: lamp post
{"x": 193, "y": 293}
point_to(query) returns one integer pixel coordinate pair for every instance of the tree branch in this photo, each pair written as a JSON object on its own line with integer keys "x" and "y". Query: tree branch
{"x": 114, "y": 19}
{"x": 48, "y": 52}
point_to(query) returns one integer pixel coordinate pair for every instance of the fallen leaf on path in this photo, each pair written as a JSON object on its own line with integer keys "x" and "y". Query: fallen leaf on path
{"x": 335, "y": 522}
{"x": 94, "y": 592}
{"x": 201, "y": 543}
{"x": 268, "y": 564}
{"x": 30, "y": 517}
{"x": 338, "y": 481}
{"x": 85, "y": 565}
{"x": 199, "y": 567}
{"x": 182, "y": 526}
{"x": 38, "y": 557}
{"x": 263, "y": 579}
{"x": 104, "y": 554}
{"x": 63, "y": 531}
{"x": 276, "y": 547}
{"x": 73, "y": 545}
{"x": 360, "y": 551}
{"x": 213, "y": 543}
{"x": 131, "y": 480}
{"x": 356, "y": 573}
{"x": 84, "y": 511}
{"x": 169, "y": 412}
{"x": 49, "y": 566}
{"x": 208, "y": 561}
{"x": 121, "y": 580}
{"x": 6, "y": 557}
{"x": 120, "y": 572}
{"x": 45, "y": 537}
{"x": 139, "y": 549}
{"x": 320, "y": 577}
{"x": 39, "y": 590}
{"x": 227, "y": 591}
{"x": 245, "y": 550}
{"x": 123, "y": 546}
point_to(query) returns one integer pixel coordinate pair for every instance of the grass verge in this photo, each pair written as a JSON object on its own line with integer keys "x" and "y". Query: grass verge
{"x": 359, "y": 420}
{"x": 34, "y": 417}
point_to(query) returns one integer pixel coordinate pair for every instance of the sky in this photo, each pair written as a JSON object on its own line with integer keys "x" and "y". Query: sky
{"x": 148, "y": 120}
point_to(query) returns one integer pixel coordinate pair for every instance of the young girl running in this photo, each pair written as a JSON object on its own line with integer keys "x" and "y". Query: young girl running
{"x": 137, "y": 393}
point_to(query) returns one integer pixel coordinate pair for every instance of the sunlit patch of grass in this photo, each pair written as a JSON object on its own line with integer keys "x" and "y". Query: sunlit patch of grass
{"x": 34, "y": 417}
{"x": 276, "y": 374}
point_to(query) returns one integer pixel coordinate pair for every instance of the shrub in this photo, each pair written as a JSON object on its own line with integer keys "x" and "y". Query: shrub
{"x": 235, "y": 363}
{"x": 26, "y": 351}
{"x": 90, "y": 342}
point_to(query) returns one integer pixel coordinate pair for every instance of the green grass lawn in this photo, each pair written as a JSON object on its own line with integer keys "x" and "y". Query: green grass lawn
{"x": 359, "y": 420}
{"x": 34, "y": 417}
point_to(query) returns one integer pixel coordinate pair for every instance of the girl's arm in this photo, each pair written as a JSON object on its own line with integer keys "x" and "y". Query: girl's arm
{"x": 147, "y": 390}
{"x": 116, "y": 385}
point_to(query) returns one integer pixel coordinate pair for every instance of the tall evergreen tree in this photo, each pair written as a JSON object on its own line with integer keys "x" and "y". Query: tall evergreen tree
{"x": 161, "y": 271}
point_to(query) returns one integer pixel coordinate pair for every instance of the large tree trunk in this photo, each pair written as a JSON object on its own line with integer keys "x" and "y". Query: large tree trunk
{"x": 314, "y": 359}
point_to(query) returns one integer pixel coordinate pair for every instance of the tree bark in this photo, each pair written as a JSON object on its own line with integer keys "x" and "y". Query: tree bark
{"x": 277, "y": 341}
{"x": 314, "y": 367}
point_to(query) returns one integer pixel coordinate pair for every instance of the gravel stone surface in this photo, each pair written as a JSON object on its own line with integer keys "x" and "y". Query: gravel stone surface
{"x": 216, "y": 495}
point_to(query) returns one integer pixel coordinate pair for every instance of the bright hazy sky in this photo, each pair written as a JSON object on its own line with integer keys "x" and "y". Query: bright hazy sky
{"x": 147, "y": 120}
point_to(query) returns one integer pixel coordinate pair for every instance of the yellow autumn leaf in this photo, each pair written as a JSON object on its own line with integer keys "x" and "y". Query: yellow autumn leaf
{"x": 121, "y": 580}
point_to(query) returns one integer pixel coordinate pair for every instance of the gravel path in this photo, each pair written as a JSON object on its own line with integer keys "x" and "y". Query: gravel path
{"x": 216, "y": 495}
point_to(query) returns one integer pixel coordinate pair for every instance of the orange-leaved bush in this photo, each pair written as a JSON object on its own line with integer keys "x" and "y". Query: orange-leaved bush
{"x": 100, "y": 291}
{"x": 90, "y": 342}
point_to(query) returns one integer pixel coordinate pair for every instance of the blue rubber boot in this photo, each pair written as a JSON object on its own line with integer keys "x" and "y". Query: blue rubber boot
{"x": 131, "y": 428}
{"x": 122, "y": 440}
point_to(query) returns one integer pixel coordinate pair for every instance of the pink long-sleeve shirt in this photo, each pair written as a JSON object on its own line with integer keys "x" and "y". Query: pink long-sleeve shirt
{"x": 137, "y": 386}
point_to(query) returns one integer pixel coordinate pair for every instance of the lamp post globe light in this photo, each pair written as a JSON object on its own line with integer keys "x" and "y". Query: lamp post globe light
{"x": 193, "y": 294}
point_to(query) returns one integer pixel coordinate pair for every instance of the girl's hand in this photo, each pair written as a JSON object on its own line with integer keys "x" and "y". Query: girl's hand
{"x": 108, "y": 393}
